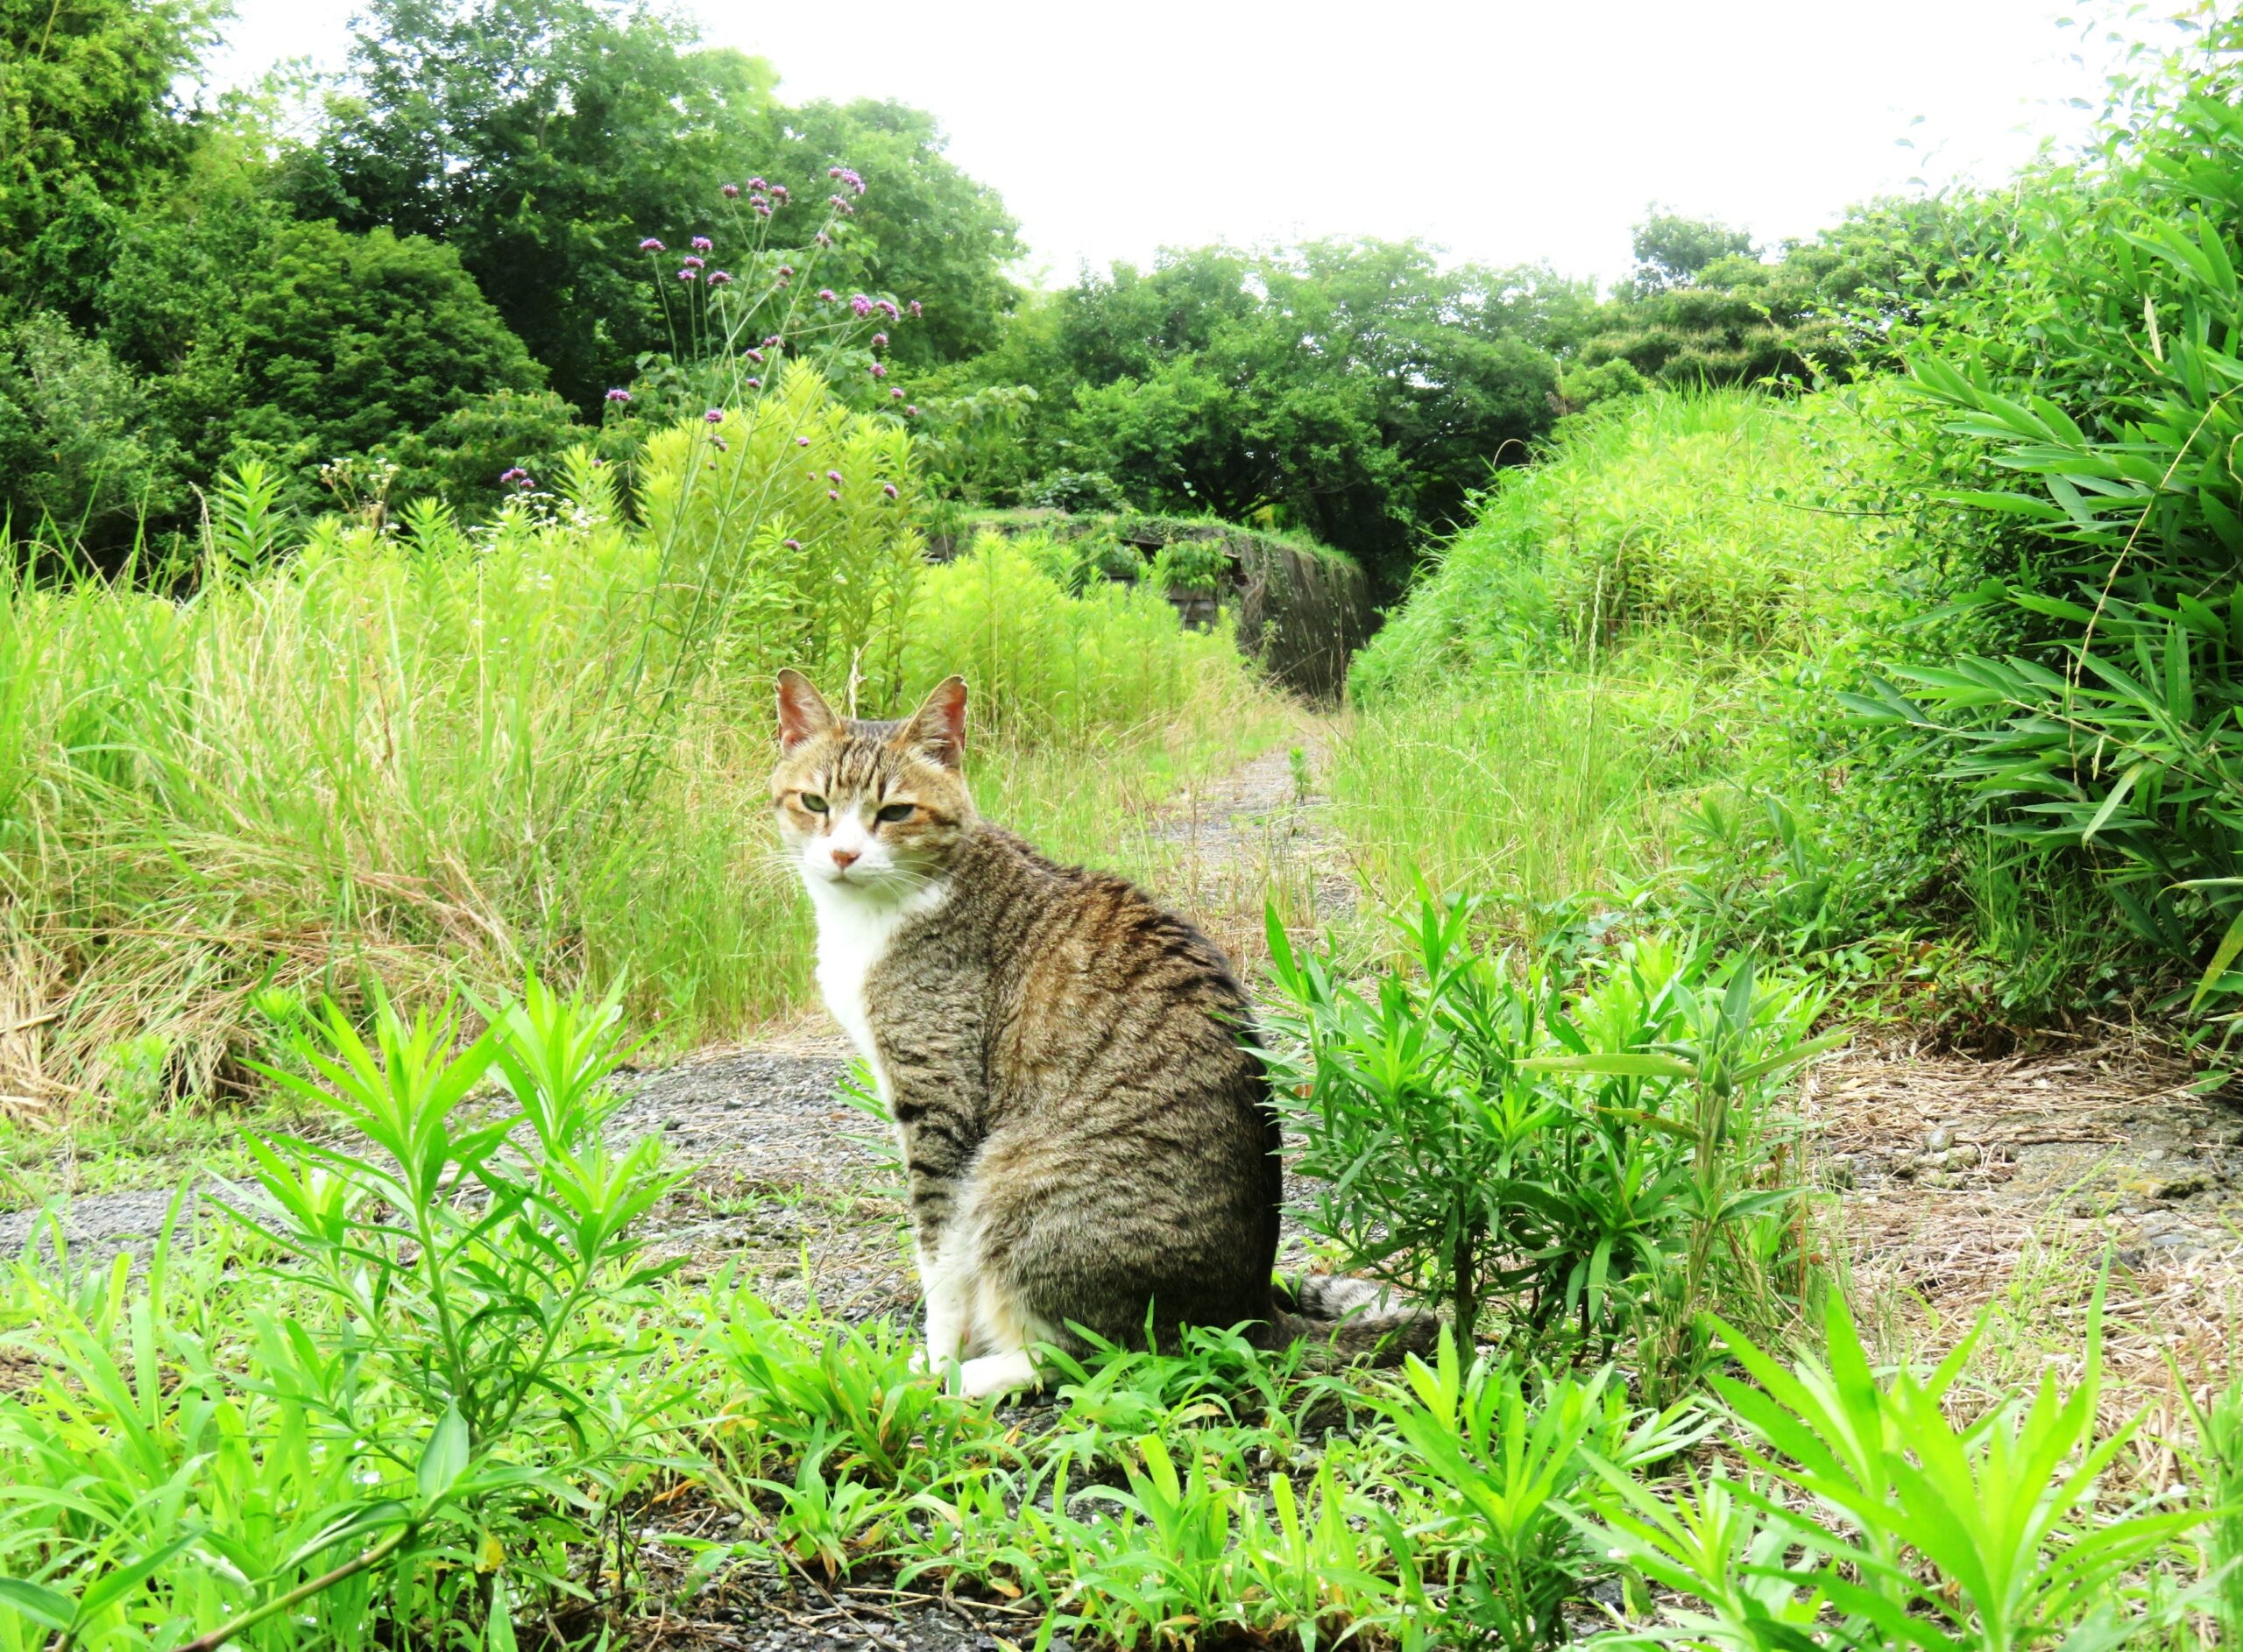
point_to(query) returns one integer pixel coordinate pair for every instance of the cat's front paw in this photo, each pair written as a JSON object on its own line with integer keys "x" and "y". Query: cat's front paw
{"x": 997, "y": 1373}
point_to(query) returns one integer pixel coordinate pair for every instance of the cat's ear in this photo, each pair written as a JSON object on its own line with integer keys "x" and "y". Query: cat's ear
{"x": 804, "y": 714}
{"x": 938, "y": 726}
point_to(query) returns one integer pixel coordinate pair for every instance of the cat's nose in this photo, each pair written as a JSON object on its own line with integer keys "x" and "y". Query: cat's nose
{"x": 844, "y": 858}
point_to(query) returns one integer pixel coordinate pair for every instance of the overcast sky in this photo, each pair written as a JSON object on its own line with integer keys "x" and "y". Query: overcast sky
{"x": 1503, "y": 131}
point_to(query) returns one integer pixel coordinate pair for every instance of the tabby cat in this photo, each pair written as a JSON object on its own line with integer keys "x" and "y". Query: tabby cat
{"x": 1070, "y": 1069}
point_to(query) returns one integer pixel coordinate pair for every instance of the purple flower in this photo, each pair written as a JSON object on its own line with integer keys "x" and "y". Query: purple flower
{"x": 879, "y": 371}
{"x": 719, "y": 278}
{"x": 755, "y": 383}
{"x": 802, "y": 441}
{"x": 895, "y": 395}
{"x": 910, "y": 412}
{"x": 715, "y": 415}
{"x": 755, "y": 356}
{"x": 886, "y": 306}
{"x": 618, "y": 395}
{"x": 775, "y": 343}
{"x": 834, "y": 476}
{"x": 731, "y": 192}
{"x": 786, "y": 268}
{"x": 827, "y": 295}
{"x": 651, "y": 246}
{"x": 687, "y": 275}
{"x": 831, "y": 495}
{"x": 846, "y": 177}
{"x": 513, "y": 474}
{"x": 879, "y": 341}
{"x": 761, "y": 210}
{"x": 792, "y": 545}
{"x": 823, "y": 239}
{"x": 702, "y": 243}
{"x": 861, "y": 304}
{"x": 717, "y": 442}
{"x": 840, "y": 204}
{"x": 779, "y": 193}
{"x": 888, "y": 488}
{"x": 692, "y": 263}
{"x": 915, "y": 309}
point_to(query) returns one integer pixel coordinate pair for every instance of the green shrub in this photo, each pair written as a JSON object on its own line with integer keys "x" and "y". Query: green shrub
{"x": 1503, "y": 1457}
{"x": 82, "y": 458}
{"x": 1077, "y": 492}
{"x": 1044, "y": 662}
{"x": 1600, "y": 1161}
{"x": 1720, "y": 520}
{"x": 461, "y": 457}
{"x": 423, "y": 1403}
{"x": 1874, "y": 1519}
{"x": 789, "y": 534}
{"x": 2078, "y": 387}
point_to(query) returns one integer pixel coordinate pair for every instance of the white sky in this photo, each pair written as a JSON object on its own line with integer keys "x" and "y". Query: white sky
{"x": 1506, "y": 131}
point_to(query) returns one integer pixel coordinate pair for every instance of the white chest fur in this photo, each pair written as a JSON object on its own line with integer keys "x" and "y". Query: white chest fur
{"x": 855, "y": 928}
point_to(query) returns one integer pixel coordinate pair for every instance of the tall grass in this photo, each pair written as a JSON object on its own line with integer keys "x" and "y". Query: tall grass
{"x": 1718, "y": 518}
{"x": 1536, "y": 784}
{"x": 429, "y": 759}
{"x": 1597, "y": 651}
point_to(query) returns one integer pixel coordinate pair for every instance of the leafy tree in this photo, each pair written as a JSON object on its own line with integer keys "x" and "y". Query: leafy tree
{"x": 546, "y": 139}
{"x": 81, "y": 462}
{"x": 924, "y": 230}
{"x": 301, "y": 342}
{"x": 542, "y": 139}
{"x": 347, "y": 341}
{"x": 1672, "y": 251}
{"x": 90, "y": 124}
{"x": 1354, "y": 389}
{"x": 461, "y": 457}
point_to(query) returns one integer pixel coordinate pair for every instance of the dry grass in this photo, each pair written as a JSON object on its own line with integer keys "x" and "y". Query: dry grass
{"x": 2075, "y": 1147}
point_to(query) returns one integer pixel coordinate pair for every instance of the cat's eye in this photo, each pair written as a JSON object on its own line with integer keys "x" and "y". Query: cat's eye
{"x": 891, "y": 813}
{"x": 813, "y": 802}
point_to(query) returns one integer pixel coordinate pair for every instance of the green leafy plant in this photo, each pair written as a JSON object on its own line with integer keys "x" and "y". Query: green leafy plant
{"x": 1874, "y": 1504}
{"x": 1603, "y": 1161}
{"x": 479, "y": 1274}
{"x": 1502, "y": 1455}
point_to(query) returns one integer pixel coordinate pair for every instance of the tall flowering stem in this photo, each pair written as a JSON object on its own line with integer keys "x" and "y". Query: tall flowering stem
{"x": 740, "y": 306}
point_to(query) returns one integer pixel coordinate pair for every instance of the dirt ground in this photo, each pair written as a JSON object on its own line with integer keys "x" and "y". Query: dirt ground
{"x": 1953, "y": 1184}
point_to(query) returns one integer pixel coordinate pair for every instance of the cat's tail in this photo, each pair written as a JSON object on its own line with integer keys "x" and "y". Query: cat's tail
{"x": 1347, "y": 1321}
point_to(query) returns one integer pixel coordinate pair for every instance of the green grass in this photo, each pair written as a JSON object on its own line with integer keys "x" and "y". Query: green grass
{"x": 1537, "y": 784}
{"x": 428, "y": 761}
{"x": 439, "y": 1389}
{"x": 1720, "y": 520}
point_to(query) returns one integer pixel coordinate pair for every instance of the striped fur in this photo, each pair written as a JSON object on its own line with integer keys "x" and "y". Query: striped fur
{"x": 1070, "y": 1068}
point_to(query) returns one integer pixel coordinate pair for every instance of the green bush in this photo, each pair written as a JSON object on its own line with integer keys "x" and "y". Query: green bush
{"x": 461, "y": 457}
{"x": 1077, "y": 492}
{"x": 1719, "y": 520}
{"x": 1045, "y": 662}
{"x": 1872, "y": 1518}
{"x": 1601, "y": 1161}
{"x": 83, "y": 461}
{"x": 432, "y": 1380}
{"x": 2078, "y": 386}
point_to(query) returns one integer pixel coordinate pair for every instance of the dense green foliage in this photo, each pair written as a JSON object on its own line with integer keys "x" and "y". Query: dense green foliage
{"x": 378, "y": 299}
{"x": 432, "y": 754}
{"x": 1355, "y": 390}
{"x": 2086, "y": 390}
{"x": 90, "y": 124}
